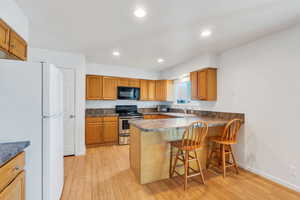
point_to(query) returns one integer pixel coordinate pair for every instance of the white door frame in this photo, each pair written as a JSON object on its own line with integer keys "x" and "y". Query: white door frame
{"x": 75, "y": 110}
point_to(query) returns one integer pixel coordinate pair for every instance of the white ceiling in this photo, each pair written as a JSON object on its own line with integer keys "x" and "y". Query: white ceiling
{"x": 171, "y": 29}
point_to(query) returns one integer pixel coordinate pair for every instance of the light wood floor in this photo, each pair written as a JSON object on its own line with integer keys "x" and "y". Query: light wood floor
{"x": 104, "y": 174}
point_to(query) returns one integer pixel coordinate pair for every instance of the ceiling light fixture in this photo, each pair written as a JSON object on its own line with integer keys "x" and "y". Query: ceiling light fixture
{"x": 206, "y": 33}
{"x": 116, "y": 53}
{"x": 140, "y": 13}
{"x": 160, "y": 60}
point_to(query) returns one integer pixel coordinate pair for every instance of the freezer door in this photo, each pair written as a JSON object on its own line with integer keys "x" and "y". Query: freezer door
{"x": 53, "y": 163}
{"x": 52, "y": 90}
{"x": 21, "y": 116}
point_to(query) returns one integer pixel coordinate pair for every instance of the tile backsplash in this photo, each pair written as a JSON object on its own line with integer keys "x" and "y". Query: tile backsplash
{"x": 112, "y": 104}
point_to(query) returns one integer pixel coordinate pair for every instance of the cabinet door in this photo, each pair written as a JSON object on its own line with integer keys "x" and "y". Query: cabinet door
{"x": 110, "y": 132}
{"x": 123, "y": 82}
{"x": 134, "y": 83}
{"x": 202, "y": 84}
{"x": 93, "y": 132}
{"x": 194, "y": 85}
{"x": 15, "y": 190}
{"x": 158, "y": 90}
{"x": 110, "y": 88}
{"x": 161, "y": 90}
{"x": 144, "y": 90}
{"x": 151, "y": 90}
{"x": 4, "y": 35}
{"x": 17, "y": 46}
{"x": 93, "y": 87}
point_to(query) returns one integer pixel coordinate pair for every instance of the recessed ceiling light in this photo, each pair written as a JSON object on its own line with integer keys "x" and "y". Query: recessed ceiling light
{"x": 140, "y": 13}
{"x": 116, "y": 53}
{"x": 160, "y": 60}
{"x": 206, "y": 33}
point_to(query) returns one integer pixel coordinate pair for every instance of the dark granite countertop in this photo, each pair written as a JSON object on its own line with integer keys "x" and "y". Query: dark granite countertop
{"x": 10, "y": 150}
{"x": 161, "y": 125}
{"x": 103, "y": 115}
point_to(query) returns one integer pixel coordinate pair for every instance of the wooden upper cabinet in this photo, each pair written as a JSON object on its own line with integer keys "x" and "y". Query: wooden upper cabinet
{"x": 123, "y": 82}
{"x": 17, "y": 46}
{"x": 134, "y": 83}
{"x": 110, "y": 88}
{"x": 94, "y": 87}
{"x": 163, "y": 90}
{"x": 144, "y": 90}
{"x": 151, "y": 90}
{"x": 4, "y": 35}
{"x": 204, "y": 84}
{"x": 15, "y": 190}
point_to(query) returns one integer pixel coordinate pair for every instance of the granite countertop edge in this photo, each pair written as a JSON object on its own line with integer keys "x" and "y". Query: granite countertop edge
{"x": 212, "y": 123}
{"x": 9, "y": 150}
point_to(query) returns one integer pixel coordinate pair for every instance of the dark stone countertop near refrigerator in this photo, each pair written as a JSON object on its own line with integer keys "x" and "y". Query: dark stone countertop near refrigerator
{"x": 10, "y": 150}
{"x": 101, "y": 112}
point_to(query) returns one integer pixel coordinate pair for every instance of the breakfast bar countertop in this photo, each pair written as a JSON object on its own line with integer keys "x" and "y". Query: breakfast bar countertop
{"x": 183, "y": 121}
{"x": 11, "y": 149}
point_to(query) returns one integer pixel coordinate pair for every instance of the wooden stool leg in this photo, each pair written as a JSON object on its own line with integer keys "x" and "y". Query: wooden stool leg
{"x": 223, "y": 159}
{"x": 210, "y": 156}
{"x": 199, "y": 166}
{"x": 234, "y": 162}
{"x": 186, "y": 165}
{"x": 171, "y": 161}
{"x": 175, "y": 163}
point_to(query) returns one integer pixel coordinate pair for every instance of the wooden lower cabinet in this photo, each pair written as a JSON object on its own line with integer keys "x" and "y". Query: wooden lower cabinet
{"x": 12, "y": 179}
{"x": 15, "y": 190}
{"x": 101, "y": 130}
{"x": 110, "y": 132}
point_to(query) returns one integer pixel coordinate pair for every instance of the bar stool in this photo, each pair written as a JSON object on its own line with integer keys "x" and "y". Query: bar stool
{"x": 192, "y": 140}
{"x": 228, "y": 137}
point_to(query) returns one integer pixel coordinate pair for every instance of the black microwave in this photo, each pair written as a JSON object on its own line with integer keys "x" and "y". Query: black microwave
{"x": 128, "y": 93}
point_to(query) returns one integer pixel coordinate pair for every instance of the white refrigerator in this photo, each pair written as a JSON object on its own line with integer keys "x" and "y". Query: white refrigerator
{"x": 31, "y": 108}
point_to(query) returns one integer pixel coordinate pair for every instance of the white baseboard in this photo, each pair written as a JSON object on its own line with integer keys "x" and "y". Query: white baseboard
{"x": 272, "y": 178}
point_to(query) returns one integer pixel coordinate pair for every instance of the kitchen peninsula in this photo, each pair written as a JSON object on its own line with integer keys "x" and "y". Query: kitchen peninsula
{"x": 150, "y": 148}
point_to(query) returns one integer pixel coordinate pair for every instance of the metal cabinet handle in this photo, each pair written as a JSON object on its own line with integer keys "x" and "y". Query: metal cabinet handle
{"x": 72, "y": 116}
{"x": 17, "y": 168}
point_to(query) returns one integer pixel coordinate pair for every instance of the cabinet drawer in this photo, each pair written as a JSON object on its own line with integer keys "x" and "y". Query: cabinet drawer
{"x": 11, "y": 169}
{"x": 15, "y": 190}
{"x": 94, "y": 119}
{"x": 110, "y": 119}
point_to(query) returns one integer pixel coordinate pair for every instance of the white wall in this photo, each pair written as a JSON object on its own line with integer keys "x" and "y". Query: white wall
{"x": 14, "y": 17}
{"x": 120, "y": 71}
{"x": 208, "y": 60}
{"x": 76, "y": 62}
{"x": 261, "y": 79}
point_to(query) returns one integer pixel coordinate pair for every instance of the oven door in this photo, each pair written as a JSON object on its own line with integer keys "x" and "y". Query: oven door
{"x": 124, "y": 126}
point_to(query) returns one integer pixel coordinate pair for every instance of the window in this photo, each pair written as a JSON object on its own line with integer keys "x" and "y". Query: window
{"x": 182, "y": 89}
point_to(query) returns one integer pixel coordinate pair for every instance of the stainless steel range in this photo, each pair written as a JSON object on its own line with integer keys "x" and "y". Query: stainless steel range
{"x": 126, "y": 113}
